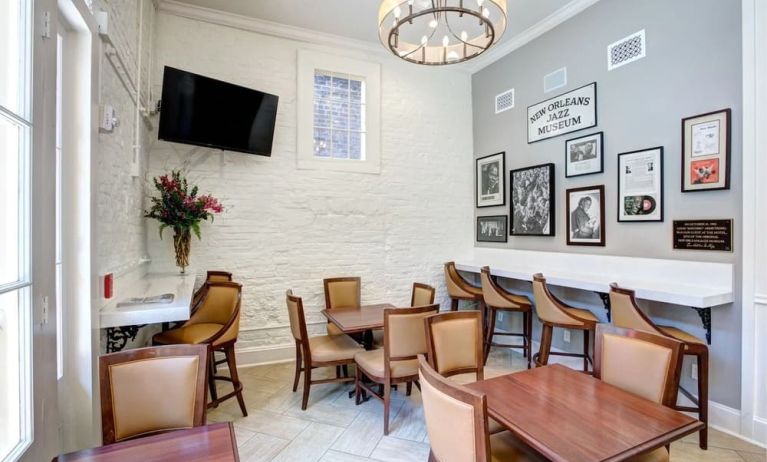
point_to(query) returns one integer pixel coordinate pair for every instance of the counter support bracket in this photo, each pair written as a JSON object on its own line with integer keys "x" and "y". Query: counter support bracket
{"x": 606, "y": 302}
{"x": 705, "y": 318}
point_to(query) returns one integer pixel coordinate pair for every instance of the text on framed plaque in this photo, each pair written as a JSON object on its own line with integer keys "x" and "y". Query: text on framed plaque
{"x": 703, "y": 235}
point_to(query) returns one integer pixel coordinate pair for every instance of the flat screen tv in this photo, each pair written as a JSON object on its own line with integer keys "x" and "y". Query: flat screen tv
{"x": 202, "y": 111}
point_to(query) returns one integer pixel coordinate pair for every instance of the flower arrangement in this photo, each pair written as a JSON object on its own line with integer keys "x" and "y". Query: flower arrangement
{"x": 181, "y": 209}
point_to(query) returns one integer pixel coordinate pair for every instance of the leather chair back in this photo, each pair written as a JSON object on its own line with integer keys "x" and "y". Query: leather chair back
{"x": 625, "y": 312}
{"x": 492, "y": 294}
{"x": 342, "y": 292}
{"x": 648, "y": 365}
{"x": 547, "y": 307}
{"x": 296, "y": 316}
{"x": 218, "y": 276}
{"x": 455, "y": 343}
{"x": 404, "y": 333}
{"x": 422, "y": 295}
{"x": 456, "y": 286}
{"x": 150, "y": 390}
{"x": 221, "y": 305}
{"x": 456, "y": 418}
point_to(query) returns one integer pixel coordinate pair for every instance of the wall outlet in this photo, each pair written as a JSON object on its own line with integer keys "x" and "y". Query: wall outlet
{"x": 694, "y": 372}
{"x": 567, "y": 336}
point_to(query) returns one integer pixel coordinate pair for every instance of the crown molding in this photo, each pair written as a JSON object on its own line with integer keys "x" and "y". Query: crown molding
{"x": 313, "y": 37}
{"x": 528, "y": 35}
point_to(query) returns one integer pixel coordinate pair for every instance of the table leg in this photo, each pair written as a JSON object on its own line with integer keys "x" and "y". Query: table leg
{"x": 606, "y": 302}
{"x": 705, "y": 319}
{"x": 367, "y": 340}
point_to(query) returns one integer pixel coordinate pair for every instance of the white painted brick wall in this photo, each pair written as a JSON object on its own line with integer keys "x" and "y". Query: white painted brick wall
{"x": 288, "y": 228}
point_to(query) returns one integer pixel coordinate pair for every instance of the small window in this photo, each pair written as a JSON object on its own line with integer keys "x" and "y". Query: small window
{"x": 339, "y": 104}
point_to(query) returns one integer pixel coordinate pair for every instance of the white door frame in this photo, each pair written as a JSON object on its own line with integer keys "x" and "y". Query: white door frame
{"x": 754, "y": 306}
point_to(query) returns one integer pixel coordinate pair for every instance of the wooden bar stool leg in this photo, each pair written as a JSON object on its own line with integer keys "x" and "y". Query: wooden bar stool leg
{"x": 703, "y": 397}
{"x": 232, "y": 363}
{"x": 298, "y": 367}
{"x": 212, "y": 379}
{"x": 586, "y": 350}
{"x": 307, "y": 384}
{"x": 529, "y": 337}
{"x": 408, "y": 388}
{"x": 543, "y": 351}
{"x": 387, "y": 398}
{"x": 454, "y": 304}
{"x": 490, "y": 332}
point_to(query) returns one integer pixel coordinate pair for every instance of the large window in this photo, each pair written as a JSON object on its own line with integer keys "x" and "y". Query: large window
{"x": 338, "y": 113}
{"x": 15, "y": 283}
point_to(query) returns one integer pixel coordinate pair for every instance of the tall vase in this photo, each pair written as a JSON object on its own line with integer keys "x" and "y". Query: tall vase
{"x": 181, "y": 241}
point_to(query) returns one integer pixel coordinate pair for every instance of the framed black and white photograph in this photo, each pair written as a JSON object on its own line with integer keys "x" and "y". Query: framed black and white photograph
{"x": 586, "y": 216}
{"x": 706, "y": 151}
{"x": 491, "y": 191}
{"x": 492, "y": 229}
{"x": 563, "y": 114}
{"x": 640, "y": 185}
{"x": 583, "y": 155}
{"x": 532, "y": 201}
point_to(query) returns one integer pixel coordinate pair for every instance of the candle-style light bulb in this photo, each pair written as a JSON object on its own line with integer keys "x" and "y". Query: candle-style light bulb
{"x": 445, "y": 41}
{"x": 485, "y": 12}
{"x": 480, "y": 2}
{"x": 464, "y": 36}
{"x": 433, "y": 23}
{"x": 424, "y": 40}
{"x": 397, "y": 12}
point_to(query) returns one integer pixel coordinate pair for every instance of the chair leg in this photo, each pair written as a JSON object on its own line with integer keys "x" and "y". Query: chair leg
{"x": 357, "y": 389}
{"x": 298, "y": 367}
{"x": 387, "y": 398}
{"x": 543, "y": 352}
{"x": 408, "y": 388}
{"x": 586, "y": 334}
{"x": 490, "y": 333}
{"x": 345, "y": 370}
{"x": 529, "y": 337}
{"x": 338, "y": 372}
{"x": 454, "y": 304}
{"x": 212, "y": 379}
{"x": 231, "y": 361}
{"x": 703, "y": 397}
{"x": 307, "y": 384}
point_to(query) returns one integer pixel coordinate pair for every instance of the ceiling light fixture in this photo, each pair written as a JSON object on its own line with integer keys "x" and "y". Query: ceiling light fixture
{"x": 439, "y": 32}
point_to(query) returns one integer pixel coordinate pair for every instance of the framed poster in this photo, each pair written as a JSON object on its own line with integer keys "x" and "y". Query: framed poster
{"x": 566, "y": 113}
{"x": 586, "y": 216}
{"x": 640, "y": 185}
{"x": 532, "y": 201}
{"x": 583, "y": 156}
{"x": 706, "y": 151}
{"x": 491, "y": 190}
{"x": 492, "y": 229}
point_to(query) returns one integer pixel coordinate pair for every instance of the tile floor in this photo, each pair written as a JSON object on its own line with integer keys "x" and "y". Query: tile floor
{"x": 333, "y": 429}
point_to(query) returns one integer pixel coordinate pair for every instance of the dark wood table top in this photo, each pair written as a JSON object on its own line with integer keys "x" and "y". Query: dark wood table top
{"x": 567, "y": 415}
{"x": 206, "y": 443}
{"x": 354, "y": 320}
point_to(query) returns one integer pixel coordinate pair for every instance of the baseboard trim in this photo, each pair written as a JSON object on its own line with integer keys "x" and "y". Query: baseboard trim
{"x": 262, "y": 356}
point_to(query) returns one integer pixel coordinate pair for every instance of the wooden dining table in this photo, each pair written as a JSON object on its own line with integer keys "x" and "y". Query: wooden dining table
{"x": 198, "y": 444}
{"x": 566, "y": 415}
{"x": 363, "y": 319}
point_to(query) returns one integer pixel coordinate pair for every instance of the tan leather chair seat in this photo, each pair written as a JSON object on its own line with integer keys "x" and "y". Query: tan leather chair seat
{"x": 373, "y": 363}
{"x": 333, "y": 348}
{"x": 658, "y": 455}
{"x": 189, "y": 334}
{"x": 334, "y": 330}
{"x": 680, "y": 335}
{"x": 583, "y": 314}
{"x": 504, "y": 448}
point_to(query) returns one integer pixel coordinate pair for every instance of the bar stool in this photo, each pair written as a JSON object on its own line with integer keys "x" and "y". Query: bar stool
{"x": 554, "y": 313}
{"x": 626, "y": 314}
{"x": 498, "y": 299}
{"x": 459, "y": 289}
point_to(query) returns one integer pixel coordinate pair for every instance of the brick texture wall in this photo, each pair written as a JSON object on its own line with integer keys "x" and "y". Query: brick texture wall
{"x": 288, "y": 228}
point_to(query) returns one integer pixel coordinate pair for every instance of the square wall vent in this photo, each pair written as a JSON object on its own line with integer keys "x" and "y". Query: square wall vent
{"x": 626, "y": 50}
{"x": 504, "y": 101}
{"x": 554, "y": 80}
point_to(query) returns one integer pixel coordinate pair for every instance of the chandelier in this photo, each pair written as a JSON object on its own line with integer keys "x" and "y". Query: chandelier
{"x": 438, "y": 32}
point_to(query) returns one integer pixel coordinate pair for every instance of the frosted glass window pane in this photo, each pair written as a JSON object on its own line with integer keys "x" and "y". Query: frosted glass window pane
{"x": 10, "y": 150}
{"x": 10, "y": 372}
{"x": 341, "y": 144}
{"x": 321, "y": 142}
{"x": 12, "y": 55}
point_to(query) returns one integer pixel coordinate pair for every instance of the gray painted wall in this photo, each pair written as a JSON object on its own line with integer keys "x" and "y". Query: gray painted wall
{"x": 693, "y": 65}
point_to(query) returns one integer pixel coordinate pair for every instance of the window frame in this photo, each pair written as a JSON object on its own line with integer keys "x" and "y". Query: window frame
{"x": 308, "y": 63}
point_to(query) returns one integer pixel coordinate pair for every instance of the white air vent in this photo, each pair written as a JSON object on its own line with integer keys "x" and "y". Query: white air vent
{"x": 504, "y": 101}
{"x": 554, "y": 80}
{"x": 626, "y": 50}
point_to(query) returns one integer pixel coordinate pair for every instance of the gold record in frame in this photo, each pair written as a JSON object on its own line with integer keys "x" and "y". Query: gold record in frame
{"x": 706, "y": 151}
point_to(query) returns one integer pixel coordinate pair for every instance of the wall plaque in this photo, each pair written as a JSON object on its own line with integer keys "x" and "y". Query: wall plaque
{"x": 566, "y": 113}
{"x": 703, "y": 235}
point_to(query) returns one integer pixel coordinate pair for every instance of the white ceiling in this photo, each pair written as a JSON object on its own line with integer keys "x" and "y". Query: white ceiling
{"x": 357, "y": 18}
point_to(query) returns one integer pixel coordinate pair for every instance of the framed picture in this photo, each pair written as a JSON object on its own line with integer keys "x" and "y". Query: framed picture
{"x": 706, "y": 151}
{"x": 532, "y": 201}
{"x": 583, "y": 156}
{"x": 640, "y": 185}
{"x": 563, "y": 114}
{"x": 492, "y": 229}
{"x": 586, "y": 216}
{"x": 491, "y": 190}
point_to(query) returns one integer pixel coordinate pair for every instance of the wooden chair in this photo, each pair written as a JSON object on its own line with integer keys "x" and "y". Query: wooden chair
{"x": 498, "y": 299}
{"x": 404, "y": 340}
{"x": 422, "y": 295}
{"x": 211, "y": 276}
{"x": 552, "y": 312}
{"x": 626, "y": 313}
{"x": 457, "y": 423}
{"x": 314, "y": 352}
{"x": 151, "y": 390}
{"x": 643, "y": 363}
{"x": 459, "y": 289}
{"x": 341, "y": 293}
{"x": 216, "y": 324}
